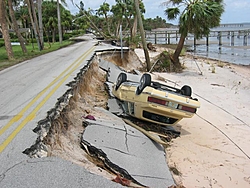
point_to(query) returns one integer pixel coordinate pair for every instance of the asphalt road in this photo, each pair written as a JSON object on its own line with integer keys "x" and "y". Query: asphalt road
{"x": 27, "y": 91}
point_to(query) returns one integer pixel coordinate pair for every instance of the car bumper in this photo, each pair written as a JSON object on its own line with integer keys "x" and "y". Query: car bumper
{"x": 159, "y": 114}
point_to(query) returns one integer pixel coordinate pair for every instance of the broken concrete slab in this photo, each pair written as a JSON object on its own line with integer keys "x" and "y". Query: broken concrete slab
{"x": 129, "y": 149}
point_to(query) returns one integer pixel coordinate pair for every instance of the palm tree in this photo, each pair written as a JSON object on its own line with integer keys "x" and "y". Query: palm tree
{"x": 66, "y": 20}
{"x": 138, "y": 13}
{"x": 15, "y": 26}
{"x": 49, "y": 8}
{"x": 34, "y": 22}
{"x": 5, "y": 30}
{"x": 59, "y": 21}
{"x": 40, "y": 22}
{"x": 197, "y": 17}
{"x": 88, "y": 15}
{"x": 103, "y": 10}
{"x": 117, "y": 18}
{"x": 63, "y": 2}
{"x": 129, "y": 12}
{"x": 22, "y": 14}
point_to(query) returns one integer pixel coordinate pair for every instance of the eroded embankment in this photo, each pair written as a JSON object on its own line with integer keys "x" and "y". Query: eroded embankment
{"x": 59, "y": 134}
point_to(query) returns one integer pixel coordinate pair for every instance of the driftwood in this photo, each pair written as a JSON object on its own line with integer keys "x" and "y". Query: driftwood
{"x": 151, "y": 47}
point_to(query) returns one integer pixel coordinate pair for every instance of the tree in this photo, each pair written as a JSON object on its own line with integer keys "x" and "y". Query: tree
{"x": 88, "y": 15}
{"x": 40, "y": 23}
{"x": 154, "y": 23}
{"x": 129, "y": 13}
{"x": 59, "y": 21}
{"x": 49, "y": 8}
{"x": 66, "y": 20}
{"x": 22, "y": 14}
{"x": 50, "y": 22}
{"x": 197, "y": 18}
{"x": 103, "y": 10}
{"x": 15, "y": 26}
{"x": 117, "y": 18}
{"x": 59, "y": 18}
{"x": 142, "y": 35}
{"x": 34, "y": 22}
{"x": 5, "y": 31}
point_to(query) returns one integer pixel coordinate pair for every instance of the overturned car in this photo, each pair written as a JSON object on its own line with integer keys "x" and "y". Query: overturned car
{"x": 154, "y": 102}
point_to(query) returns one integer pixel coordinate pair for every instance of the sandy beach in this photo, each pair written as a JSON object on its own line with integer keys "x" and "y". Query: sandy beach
{"x": 213, "y": 149}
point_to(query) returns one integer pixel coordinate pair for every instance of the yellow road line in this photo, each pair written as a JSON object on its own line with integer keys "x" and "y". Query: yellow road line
{"x": 20, "y": 114}
{"x": 33, "y": 113}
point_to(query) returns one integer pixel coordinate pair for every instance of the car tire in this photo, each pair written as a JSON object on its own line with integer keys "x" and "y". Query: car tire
{"x": 144, "y": 82}
{"x": 120, "y": 79}
{"x": 186, "y": 90}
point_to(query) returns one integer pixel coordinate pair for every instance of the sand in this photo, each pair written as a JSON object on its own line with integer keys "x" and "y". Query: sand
{"x": 213, "y": 149}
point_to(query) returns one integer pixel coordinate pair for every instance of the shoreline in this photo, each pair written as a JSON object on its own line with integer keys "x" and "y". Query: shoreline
{"x": 232, "y": 54}
{"x": 214, "y": 59}
{"x": 213, "y": 148}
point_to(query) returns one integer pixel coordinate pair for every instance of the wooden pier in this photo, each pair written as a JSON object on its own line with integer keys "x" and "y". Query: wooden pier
{"x": 172, "y": 36}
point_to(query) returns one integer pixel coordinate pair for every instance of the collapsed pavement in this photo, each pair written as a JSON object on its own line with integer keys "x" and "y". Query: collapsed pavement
{"x": 125, "y": 152}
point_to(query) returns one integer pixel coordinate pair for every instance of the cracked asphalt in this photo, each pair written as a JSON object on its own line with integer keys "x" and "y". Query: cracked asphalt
{"x": 51, "y": 172}
{"x": 26, "y": 98}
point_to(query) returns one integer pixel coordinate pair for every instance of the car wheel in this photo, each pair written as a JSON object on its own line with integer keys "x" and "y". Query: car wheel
{"x": 186, "y": 90}
{"x": 144, "y": 82}
{"x": 120, "y": 79}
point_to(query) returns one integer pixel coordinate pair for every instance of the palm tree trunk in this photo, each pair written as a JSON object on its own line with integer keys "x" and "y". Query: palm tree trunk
{"x": 59, "y": 22}
{"x": 54, "y": 35}
{"x": 142, "y": 35}
{"x": 108, "y": 25}
{"x": 134, "y": 29}
{"x": 177, "y": 52}
{"x": 33, "y": 20}
{"x": 5, "y": 31}
{"x": 40, "y": 22}
{"x": 15, "y": 27}
{"x": 36, "y": 25}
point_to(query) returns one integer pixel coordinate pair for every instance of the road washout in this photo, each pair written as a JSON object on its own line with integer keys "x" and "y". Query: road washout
{"x": 59, "y": 134}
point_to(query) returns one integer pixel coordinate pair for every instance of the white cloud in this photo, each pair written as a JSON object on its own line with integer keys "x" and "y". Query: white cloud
{"x": 239, "y": 4}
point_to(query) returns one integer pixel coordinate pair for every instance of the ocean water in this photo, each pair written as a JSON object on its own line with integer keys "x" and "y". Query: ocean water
{"x": 237, "y": 53}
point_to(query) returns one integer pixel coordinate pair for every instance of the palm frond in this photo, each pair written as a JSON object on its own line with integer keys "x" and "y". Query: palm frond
{"x": 172, "y": 13}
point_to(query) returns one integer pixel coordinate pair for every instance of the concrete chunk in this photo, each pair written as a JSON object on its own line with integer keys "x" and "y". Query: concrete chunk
{"x": 131, "y": 150}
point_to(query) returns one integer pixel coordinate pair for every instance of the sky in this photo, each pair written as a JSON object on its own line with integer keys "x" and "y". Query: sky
{"x": 236, "y": 11}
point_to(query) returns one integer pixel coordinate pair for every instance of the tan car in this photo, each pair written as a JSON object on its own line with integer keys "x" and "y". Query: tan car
{"x": 154, "y": 102}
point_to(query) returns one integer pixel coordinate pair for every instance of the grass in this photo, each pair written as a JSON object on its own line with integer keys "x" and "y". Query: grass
{"x": 213, "y": 68}
{"x": 33, "y": 51}
{"x": 220, "y": 64}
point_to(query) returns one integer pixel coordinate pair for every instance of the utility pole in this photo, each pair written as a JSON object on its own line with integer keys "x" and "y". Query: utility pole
{"x": 144, "y": 45}
{"x": 121, "y": 42}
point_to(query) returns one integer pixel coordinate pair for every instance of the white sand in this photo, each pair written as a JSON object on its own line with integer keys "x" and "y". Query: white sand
{"x": 213, "y": 149}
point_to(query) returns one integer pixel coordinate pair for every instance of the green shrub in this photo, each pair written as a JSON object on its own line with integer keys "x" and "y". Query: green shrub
{"x": 164, "y": 56}
{"x": 67, "y": 36}
{"x": 163, "y": 63}
{"x": 1, "y": 43}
